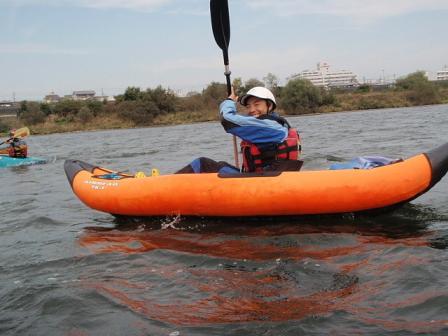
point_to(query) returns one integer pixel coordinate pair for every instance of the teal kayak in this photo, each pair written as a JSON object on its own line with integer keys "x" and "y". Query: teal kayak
{"x": 6, "y": 161}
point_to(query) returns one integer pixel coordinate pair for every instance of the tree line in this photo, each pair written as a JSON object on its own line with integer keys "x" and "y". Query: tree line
{"x": 141, "y": 107}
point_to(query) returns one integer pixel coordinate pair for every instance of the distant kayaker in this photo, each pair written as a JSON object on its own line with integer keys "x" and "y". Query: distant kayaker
{"x": 17, "y": 146}
{"x": 268, "y": 143}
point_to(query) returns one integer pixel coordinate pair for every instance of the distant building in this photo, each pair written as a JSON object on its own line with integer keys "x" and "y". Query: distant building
{"x": 104, "y": 98}
{"x": 324, "y": 77}
{"x": 83, "y": 95}
{"x": 52, "y": 98}
{"x": 6, "y": 103}
{"x": 442, "y": 74}
{"x": 9, "y": 108}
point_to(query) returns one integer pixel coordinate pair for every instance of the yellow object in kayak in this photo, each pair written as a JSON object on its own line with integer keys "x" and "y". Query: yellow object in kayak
{"x": 139, "y": 174}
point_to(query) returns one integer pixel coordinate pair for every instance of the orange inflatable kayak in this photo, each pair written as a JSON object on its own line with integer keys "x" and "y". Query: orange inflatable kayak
{"x": 266, "y": 194}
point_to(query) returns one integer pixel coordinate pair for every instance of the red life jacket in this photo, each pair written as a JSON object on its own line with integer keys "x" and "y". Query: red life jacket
{"x": 18, "y": 148}
{"x": 258, "y": 156}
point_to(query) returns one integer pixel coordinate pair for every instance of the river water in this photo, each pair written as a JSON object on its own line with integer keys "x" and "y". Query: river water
{"x": 66, "y": 269}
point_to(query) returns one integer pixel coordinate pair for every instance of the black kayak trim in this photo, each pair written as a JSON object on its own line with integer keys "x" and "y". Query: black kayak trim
{"x": 438, "y": 158}
{"x": 73, "y": 167}
{"x": 438, "y": 161}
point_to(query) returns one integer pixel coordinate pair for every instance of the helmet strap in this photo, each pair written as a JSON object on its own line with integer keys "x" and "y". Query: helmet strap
{"x": 270, "y": 106}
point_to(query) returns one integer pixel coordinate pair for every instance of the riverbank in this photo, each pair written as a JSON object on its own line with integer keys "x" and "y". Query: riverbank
{"x": 378, "y": 100}
{"x": 345, "y": 101}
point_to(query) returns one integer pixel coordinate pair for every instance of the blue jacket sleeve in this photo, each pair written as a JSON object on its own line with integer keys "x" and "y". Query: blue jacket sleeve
{"x": 250, "y": 128}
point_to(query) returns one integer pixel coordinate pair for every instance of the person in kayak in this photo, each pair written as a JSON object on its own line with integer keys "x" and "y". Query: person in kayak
{"x": 17, "y": 147}
{"x": 269, "y": 143}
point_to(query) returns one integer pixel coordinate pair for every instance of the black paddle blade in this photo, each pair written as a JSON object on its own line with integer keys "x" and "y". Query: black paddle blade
{"x": 219, "y": 10}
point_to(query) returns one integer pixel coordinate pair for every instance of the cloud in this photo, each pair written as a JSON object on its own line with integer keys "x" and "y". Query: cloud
{"x": 127, "y": 4}
{"x": 242, "y": 64}
{"x": 31, "y": 48}
{"x": 357, "y": 10}
{"x": 183, "y": 7}
{"x": 146, "y": 5}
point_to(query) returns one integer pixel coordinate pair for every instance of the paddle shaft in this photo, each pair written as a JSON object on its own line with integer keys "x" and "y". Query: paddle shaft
{"x": 227, "y": 72}
{"x": 219, "y": 11}
{"x": 6, "y": 141}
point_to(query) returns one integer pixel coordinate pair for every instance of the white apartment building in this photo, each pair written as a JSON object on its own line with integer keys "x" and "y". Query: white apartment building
{"x": 52, "y": 98}
{"x": 324, "y": 77}
{"x": 83, "y": 95}
{"x": 78, "y": 95}
{"x": 442, "y": 74}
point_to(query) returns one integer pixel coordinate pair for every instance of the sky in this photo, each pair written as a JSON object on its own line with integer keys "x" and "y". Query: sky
{"x": 63, "y": 46}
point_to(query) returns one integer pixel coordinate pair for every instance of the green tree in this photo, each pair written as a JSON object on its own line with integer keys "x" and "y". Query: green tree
{"x": 237, "y": 84}
{"x": 4, "y": 127}
{"x": 85, "y": 114}
{"x": 67, "y": 108}
{"x": 421, "y": 90}
{"x": 23, "y": 108}
{"x": 271, "y": 81}
{"x": 46, "y": 108}
{"x": 251, "y": 83}
{"x": 165, "y": 99}
{"x": 442, "y": 83}
{"x": 139, "y": 112}
{"x": 328, "y": 97}
{"x": 412, "y": 81}
{"x": 33, "y": 114}
{"x": 364, "y": 88}
{"x": 95, "y": 107}
{"x": 300, "y": 96}
{"x": 192, "y": 102}
{"x": 131, "y": 93}
{"x": 425, "y": 94}
{"x": 213, "y": 94}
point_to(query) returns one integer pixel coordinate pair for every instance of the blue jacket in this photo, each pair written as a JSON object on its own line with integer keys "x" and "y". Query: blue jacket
{"x": 250, "y": 128}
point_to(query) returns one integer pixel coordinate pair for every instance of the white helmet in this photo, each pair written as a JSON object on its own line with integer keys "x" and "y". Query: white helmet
{"x": 259, "y": 92}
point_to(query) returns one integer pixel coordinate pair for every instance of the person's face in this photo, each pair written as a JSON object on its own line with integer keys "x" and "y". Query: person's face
{"x": 256, "y": 107}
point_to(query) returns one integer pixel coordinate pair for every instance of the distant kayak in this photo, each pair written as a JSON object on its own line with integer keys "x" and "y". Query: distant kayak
{"x": 264, "y": 194}
{"x": 6, "y": 161}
